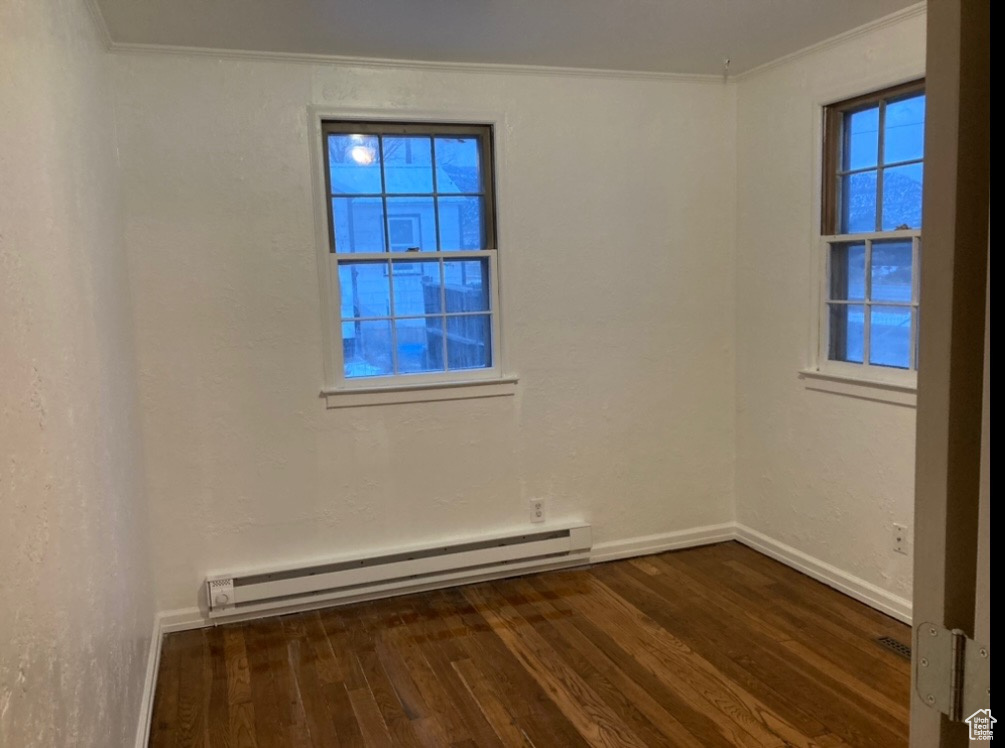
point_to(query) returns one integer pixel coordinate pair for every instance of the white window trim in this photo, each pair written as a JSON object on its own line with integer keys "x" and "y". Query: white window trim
{"x": 852, "y": 384}
{"x": 339, "y": 392}
{"x": 420, "y": 393}
{"x": 879, "y": 383}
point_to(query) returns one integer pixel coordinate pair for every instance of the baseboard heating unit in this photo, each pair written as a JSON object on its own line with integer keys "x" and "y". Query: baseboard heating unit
{"x": 398, "y": 571}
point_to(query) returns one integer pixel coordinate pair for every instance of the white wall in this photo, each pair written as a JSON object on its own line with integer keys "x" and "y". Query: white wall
{"x": 76, "y": 610}
{"x": 823, "y": 473}
{"x": 616, "y": 205}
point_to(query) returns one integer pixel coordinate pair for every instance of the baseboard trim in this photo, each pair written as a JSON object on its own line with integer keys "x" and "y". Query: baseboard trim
{"x": 667, "y": 541}
{"x": 185, "y": 619}
{"x": 856, "y": 587}
{"x": 149, "y": 684}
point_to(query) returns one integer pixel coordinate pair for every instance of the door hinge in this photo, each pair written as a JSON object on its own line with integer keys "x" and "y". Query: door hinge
{"x": 951, "y": 672}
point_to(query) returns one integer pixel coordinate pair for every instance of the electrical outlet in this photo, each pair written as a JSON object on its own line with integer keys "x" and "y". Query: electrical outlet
{"x": 537, "y": 510}
{"x": 899, "y": 538}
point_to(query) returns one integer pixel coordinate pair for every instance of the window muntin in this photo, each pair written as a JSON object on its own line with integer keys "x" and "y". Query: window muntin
{"x": 412, "y": 227}
{"x": 871, "y": 222}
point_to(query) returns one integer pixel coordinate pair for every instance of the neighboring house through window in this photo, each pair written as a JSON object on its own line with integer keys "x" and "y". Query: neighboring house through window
{"x": 412, "y": 233}
{"x": 871, "y": 227}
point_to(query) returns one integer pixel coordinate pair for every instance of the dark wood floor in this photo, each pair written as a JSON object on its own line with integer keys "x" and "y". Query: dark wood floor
{"x": 713, "y": 646}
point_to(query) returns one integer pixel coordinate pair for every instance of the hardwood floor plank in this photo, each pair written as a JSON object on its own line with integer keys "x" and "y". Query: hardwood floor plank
{"x": 164, "y": 720}
{"x": 491, "y": 703}
{"x": 587, "y": 711}
{"x": 841, "y": 711}
{"x": 785, "y": 610}
{"x": 340, "y": 707}
{"x": 325, "y": 663}
{"x": 319, "y": 723}
{"x": 869, "y": 720}
{"x": 265, "y": 695}
{"x": 241, "y": 710}
{"x": 665, "y": 651}
{"x": 898, "y": 711}
{"x": 238, "y": 674}
{"x": 333, "y": 621}
{"x": 632, "y": 703}
{"x": 193, "y": 692}
{"x": 438, "y": 706}
{"x": 367, "y": 631}
{"x": 662, "y": 690}
{"x": 844, "y": 606}
{"x": 709, "y": 647}
{"x": 437, "y": 647}
{"x": 715, "y": 637}
{"x": 218, "y": 703}
{"x": 532, "y": 707}
{"x": 370, "y": 721}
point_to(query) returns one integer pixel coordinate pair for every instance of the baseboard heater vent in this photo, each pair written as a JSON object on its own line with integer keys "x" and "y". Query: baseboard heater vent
{"x": 406, "y": 570}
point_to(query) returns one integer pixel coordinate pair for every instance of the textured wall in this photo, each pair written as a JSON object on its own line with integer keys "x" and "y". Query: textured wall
{"x": 824, "y": 473}
{"x": 75, "y": 603}
{"x": 615, "y": 212}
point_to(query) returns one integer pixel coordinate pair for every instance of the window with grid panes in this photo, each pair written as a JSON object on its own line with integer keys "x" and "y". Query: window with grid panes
{"x": 412, "y": 231}
{"x": 871, "y": 226}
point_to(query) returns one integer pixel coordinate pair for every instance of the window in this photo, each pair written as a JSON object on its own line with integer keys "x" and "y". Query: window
{"x": 411, "y": 220}
{"x": 871, "y": 226}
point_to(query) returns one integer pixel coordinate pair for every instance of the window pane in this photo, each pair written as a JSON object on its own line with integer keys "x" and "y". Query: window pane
{"x": 861, "y": 139}
{"x": 420, "y": 346}
{"x": 847, "y": 330}
{"x": 890, "y": 332}
{"x": 858, "y": 201}
{"x": 363, "y": 289}
{"x": 848, "y": 271}
{"x": 902, "y": 197}
{"x": 469, "y": 342}
{"x": 904, "y": 130}
{"x": 462, "y": 225}
{"x": 458, "y": 168}
{"x": 411, "y": 223}
{"x": 354, "y": 164}
{"x": 466, "y": 285}
{"x": 416, "y": 288}
{"x": 892, "y": 271}
{"x": 359, "y": 224}
{"x": 367, "y": 348}
{"x": 408, "y": 164}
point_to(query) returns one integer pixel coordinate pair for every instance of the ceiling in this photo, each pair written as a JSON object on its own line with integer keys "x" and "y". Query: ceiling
{"x": 680, "y": 36}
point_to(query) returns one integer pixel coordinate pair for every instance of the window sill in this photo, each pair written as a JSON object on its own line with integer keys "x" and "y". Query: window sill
{"x": 361, "y": 397}
{"x": 903, "y": 392}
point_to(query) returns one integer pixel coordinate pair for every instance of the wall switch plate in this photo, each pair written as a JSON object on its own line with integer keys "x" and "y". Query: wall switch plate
{"x": 537, "y": 510}
{"x": 900, "y": 538}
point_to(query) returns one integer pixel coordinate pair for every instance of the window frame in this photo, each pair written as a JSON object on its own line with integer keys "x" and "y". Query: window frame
{"x": 340, "y": 391}
{"x": 895, "y": 380}
{"x": 833, "y": 143}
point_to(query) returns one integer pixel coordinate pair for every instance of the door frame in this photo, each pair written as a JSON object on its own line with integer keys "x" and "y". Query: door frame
{"x": 951, "y": 382}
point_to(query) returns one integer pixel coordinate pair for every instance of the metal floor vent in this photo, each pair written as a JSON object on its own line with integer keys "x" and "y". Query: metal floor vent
{"x": 899, "y": 648}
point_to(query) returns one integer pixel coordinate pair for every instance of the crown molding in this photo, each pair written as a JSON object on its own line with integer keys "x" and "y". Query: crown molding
{"x": 918, "y": 9}
{"x": 376, "y": 63}
{"x": 100, "y": 26}
{"x": 419, "y": 65}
